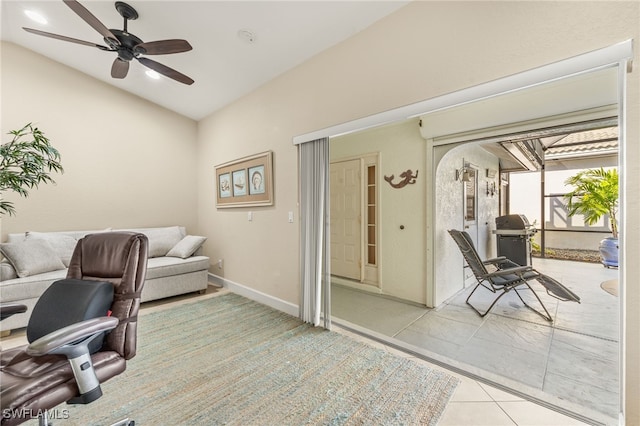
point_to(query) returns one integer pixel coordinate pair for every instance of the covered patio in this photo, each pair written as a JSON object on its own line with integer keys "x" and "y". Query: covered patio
{"x": 571, "y": 364}
{"x": 481, "y": 167}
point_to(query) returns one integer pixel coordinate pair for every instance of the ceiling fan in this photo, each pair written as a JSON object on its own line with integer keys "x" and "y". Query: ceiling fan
{"x": 125, "y": 44}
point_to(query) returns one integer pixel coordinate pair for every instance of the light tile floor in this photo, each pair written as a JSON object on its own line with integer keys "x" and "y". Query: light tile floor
{"x": 572, "y": 363}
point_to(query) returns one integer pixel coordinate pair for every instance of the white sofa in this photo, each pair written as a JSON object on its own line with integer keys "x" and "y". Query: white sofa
{"x": 34, "y": 260}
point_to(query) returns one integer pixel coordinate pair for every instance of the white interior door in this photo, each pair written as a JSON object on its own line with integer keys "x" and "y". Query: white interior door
{"x": 346, "y": 214}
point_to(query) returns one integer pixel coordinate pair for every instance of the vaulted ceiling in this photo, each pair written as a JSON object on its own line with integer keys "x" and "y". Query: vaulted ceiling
{"x": 237, "y": 45}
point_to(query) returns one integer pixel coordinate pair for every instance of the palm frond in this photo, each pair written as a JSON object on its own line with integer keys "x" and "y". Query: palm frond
{"x": 595, "y": 195}
{"x": 25, "y": 163}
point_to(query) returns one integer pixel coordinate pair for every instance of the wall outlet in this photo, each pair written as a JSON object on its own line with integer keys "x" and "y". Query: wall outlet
{"x": 220, "y": 263}
{"x": 290, "y": 217}
{"x": 249, "y": 216}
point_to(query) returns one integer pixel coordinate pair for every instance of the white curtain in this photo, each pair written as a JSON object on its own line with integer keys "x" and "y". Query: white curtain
{"x": 314, "y": 232}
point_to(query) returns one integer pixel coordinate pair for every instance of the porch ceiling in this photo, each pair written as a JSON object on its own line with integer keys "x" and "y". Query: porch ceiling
{"x": 576, "y": 142}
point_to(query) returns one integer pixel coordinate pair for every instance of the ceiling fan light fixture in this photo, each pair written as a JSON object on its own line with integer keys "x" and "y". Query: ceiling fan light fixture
{"x": 36, "y": 17}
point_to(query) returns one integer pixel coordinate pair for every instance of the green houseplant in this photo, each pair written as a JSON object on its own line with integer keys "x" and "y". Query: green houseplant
{"x": 26, "y": 162}
{"x": 595, "y": 194}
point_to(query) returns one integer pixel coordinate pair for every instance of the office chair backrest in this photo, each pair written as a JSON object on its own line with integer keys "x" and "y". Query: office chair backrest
{"x": 67, "y": 302}
{"x": 119, "y": 258}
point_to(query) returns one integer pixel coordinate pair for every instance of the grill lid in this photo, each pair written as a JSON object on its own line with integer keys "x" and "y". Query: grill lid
{"x": 512, "y": 221}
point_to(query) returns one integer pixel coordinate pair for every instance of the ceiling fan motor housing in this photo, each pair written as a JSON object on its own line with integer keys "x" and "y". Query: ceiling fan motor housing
{"x": 128, "y": 42}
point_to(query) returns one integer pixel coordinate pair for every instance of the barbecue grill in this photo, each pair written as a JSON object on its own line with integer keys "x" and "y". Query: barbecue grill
{"x": 513, "y": 234}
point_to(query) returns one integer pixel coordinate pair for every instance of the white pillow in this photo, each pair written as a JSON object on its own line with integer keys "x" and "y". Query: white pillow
{"x": 161, "y": 240}
{"x": 31, "y": 257}
{"x": 187, "y": 246}
{"x": 63, "y": 245}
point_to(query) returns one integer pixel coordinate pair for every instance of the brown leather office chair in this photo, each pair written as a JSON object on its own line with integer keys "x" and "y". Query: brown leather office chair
{"x": 67, "y": 365}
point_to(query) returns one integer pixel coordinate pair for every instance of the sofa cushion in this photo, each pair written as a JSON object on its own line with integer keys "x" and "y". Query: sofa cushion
{"x": 161, "y": 240}
{"x": 62, "y": 244}
{"x": 31, "y": 257}
{"x": 169, "y": 266}
{"x": 187, "y": 246}
{"x": 29, "y": 287}
{"x": 76, "y": 235}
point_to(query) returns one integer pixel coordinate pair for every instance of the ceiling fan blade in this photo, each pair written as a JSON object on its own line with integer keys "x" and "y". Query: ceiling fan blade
{"x": 65, "y": 38}
{"x": 163, "y": 47}
{"x": 120, "y": 68}
{"x": 165, "y": 70}
{"x": 88, "y": 17}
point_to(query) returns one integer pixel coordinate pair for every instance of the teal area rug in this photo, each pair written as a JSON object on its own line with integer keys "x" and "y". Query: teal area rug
{"x": 228, "y": 360}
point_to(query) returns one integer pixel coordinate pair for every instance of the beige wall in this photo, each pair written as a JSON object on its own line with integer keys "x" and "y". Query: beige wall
{"x": 402, "y": 251}
{"x": 128, "y": 162}
{"x": 424, "y": 50}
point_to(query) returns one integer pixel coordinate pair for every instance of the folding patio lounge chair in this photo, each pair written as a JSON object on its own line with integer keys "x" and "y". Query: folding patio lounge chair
{"x": 506, "y": 276}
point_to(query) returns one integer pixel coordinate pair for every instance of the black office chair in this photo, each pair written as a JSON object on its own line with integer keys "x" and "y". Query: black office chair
{"x": 81, "y": 332}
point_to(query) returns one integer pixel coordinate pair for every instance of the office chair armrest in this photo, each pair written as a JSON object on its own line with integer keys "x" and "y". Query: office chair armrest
{"x": 73, "y": 342}
{"x": 11, "y": 308}
{"x": 73, "y": 335}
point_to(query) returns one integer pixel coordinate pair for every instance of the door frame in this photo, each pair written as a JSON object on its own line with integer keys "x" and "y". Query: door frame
{"x": 369, "y": 275}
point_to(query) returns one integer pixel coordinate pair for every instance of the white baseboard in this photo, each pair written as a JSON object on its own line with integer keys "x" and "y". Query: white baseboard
{"x": 255, "y": 295}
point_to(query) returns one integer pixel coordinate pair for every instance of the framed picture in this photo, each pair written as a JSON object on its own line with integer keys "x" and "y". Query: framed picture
{"x": 239, "y": 183}
{"x": 257, "y": 180}
{"x": 224, "y": 185}
{"x": 245, "y": 182}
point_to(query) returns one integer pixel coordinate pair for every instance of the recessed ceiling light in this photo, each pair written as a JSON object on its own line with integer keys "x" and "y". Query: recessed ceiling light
{"x": 35, "y": 16}
{"x": 154, "y": 75}
{"x": 247, "y": 35}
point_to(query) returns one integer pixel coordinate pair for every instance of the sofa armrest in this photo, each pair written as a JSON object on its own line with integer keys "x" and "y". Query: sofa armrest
{"x": 7, "y": 271}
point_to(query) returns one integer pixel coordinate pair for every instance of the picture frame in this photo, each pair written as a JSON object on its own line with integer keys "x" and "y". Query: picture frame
{"x": 239, "y": 182}
{"x": 245, "y": 182}
{"x": 224, "y": 185}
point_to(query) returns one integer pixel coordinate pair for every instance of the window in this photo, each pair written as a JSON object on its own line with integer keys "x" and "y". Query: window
{"x": 470, "y": 196}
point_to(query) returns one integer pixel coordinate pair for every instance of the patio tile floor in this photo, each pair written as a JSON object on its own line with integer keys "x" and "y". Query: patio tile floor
{"x": 573, "y": 359}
